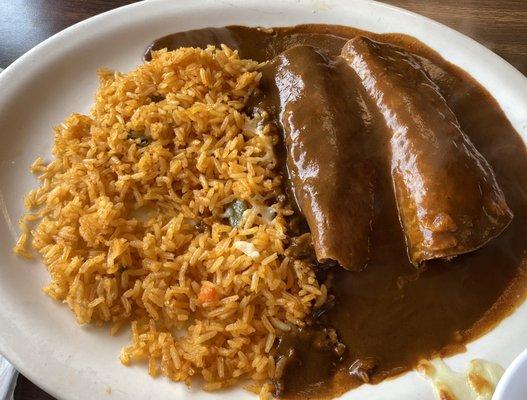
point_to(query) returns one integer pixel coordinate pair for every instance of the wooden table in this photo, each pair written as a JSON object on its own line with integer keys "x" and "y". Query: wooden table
{"x": 499, "y": 25}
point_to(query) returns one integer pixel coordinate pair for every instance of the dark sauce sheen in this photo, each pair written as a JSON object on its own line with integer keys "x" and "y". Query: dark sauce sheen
{"x": 391, "y": 314}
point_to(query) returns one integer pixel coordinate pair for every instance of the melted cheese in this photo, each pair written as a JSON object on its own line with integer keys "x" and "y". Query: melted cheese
{"x": 478, "y": 383}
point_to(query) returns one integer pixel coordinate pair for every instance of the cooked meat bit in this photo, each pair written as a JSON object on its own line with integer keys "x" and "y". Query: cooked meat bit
{"x": 297, "y": 225}
{"x": 301, "y": 247}
{"x": 447, "y": 195}
{"x": 200, "y": 226}
{"x": 363, "y": 368}
{"x": 318, "y": 313}
{"x": 281, "y": 198}
{"x": 139, "y": 138}
{"x": 234, "y": 212}
{"x": 156, "y": 98}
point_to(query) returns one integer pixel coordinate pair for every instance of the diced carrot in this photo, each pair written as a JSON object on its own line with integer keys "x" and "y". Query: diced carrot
{"x": 208, "y": 294}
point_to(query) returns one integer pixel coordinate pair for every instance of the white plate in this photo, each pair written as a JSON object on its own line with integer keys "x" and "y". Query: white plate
{"x": 57, "y": 77}
{"x": 513, "y": 385}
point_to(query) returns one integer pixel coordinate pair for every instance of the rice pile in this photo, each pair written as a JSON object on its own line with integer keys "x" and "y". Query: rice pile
{"x": 130, "y": 220}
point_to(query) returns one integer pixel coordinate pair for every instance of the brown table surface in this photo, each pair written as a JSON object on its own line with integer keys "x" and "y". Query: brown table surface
{"x": 501, "y": 25}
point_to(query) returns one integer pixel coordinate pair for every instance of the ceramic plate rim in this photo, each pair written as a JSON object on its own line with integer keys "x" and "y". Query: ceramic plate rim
{"x": 506, "y": 83}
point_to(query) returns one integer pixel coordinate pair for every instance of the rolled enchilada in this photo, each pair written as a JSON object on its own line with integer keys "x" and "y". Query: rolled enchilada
{"x": 448, "y": 199}
{"x": 324, "y": 131}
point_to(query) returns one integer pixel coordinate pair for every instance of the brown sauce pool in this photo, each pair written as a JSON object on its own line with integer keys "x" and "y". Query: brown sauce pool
{"x": 391, "y": 314}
